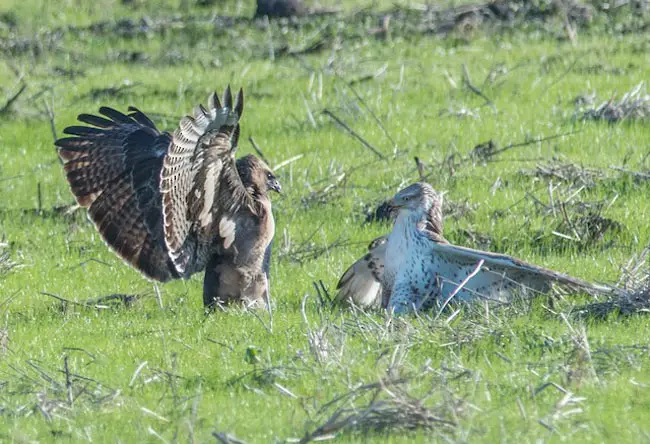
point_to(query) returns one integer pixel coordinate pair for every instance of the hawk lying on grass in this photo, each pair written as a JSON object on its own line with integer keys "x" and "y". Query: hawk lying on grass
{"x": 361, "y": 283}
{"x": 173, "y": 205}
{"x": 421, "y": 269}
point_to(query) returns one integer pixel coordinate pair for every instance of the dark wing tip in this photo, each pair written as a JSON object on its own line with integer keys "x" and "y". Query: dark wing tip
{"x": 213, "y": 101}
{"x": 115, "y": 115}
{"x": 239, "y": 102}
{"x": 97, "y": 121}
{"x": 227, "y": 97}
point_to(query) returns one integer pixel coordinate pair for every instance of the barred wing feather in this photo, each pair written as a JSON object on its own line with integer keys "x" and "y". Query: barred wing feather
{"x": 113, "y": 167}
{"x": 201, "y": 188}
{"x": 501, "y": 275}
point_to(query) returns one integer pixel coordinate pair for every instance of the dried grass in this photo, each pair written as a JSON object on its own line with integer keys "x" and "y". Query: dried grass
{"x": 567, "y": 172}
{"x": 6, "y": 263}
{"x": 32, "y": 388}
{"x": 386, "y": 407}
{"x": 635, "y": 281}
{"x": 635, "y": 105}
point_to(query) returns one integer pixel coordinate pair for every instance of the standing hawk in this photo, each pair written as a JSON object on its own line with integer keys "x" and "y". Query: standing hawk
{"x": 175, "y": 204}
{"x": 421, "y": 269}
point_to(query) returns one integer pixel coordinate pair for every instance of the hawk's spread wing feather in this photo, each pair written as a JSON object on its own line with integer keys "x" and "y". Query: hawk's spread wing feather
{"x": 201, "y": 188}
{"x": 361, "y": 283}
{"x": 500, "y": 275}
{"x": 113, "y": 168}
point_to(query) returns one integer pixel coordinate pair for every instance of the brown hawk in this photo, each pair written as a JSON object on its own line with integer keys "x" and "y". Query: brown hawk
{"x": 172, "y": 205}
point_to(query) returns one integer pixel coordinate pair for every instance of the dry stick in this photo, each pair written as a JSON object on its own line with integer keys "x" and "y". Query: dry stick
{"x": 420, "y": 167}
{"x": 4, "y": 179}
{"x": 68, "y": 383}
{"x": 564, "y": 74}
{"x": 288, "y": 161}
{"x": 363, "y": 141}
{"x": 468, "y": 82}
{"x": 363, "y": 102}
{"x": 268, "y": 328}
{"x": 533, "y": 141}
{"x": 310, "y": 115}
{"x": 491, "y": 154}
{"x": 225, "y": 438}
{"x": 269, "y": 36}
{"x": 50, "y": 116}
{"x": 40, "y": 198}
{"x": 158, "y": 296}
{"x": 635, "y": 174}
{"x": 258, "y": 150}
{"x": 12, "y": 99}
{"x": 68, "y": 301}
{"x": 569, "y": 222}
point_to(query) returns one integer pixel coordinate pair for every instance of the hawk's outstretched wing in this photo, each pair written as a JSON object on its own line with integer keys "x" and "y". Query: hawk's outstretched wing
{"x": 202, "y": 191}
{"x": 113, "y": 168}
{"x": 500, "y": 275}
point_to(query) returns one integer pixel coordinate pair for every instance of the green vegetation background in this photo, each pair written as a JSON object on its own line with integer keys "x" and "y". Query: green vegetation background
{"x": 138, "y": 373}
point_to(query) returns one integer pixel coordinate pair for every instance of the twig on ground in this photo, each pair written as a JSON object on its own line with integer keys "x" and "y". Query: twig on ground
{"x": 363, "y": 141}
{"x": 10, "y": 101}
{"x": 468, "y": 82}
{"x": 227, "y": 438}
{"x": 258, "y": 150}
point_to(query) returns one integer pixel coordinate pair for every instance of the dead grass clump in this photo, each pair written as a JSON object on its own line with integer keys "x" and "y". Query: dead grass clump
{"x": 567, "y": 172}
{"x": 635, "y": 299}
{"x": 635, "y": 104}
{"x": 387, "y": 407}
{"x": 325, "y": 340}
{"x": 580, "y": 222}
{"x": 588, "y": 226}
{"x": 6, "y": 263}
{"x": 32, "y": 388}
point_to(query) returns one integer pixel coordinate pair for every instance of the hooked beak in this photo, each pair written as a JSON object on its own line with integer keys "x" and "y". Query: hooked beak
{"x": 274, "y": 185}
{"x": 393, "y": 204}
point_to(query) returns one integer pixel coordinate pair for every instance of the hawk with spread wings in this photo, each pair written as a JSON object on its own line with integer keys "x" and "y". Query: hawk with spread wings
{"x": 172, "y": 205}
{"x": 422, "y": 269}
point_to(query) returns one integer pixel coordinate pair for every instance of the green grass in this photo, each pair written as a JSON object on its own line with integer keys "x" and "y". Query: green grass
{"x": 487, "y": 370}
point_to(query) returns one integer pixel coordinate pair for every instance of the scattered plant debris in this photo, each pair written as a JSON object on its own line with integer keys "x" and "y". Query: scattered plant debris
{"x": 387, "y": 407}
{"x": 575, "y": 175}
{"x": 635, "y": 280}
{"x": 635, "y": 105}
{"x": 6, "y": 263}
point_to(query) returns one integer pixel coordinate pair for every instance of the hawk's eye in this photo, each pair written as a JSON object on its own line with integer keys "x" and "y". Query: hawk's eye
{"x": 269, "y": 176}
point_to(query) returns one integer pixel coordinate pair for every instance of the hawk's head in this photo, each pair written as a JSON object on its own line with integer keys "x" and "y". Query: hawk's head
{"x": 418, "y": 197}
{"x": 257, "y": 176}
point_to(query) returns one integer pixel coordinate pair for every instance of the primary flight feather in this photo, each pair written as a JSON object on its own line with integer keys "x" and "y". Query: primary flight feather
{"x": 175, "y": 204}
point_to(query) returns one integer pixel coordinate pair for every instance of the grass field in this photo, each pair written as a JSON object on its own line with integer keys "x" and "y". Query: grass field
{"x": 566, "y": 192}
